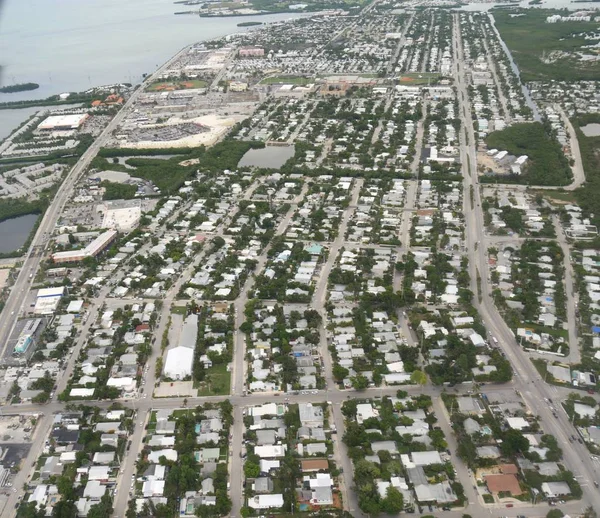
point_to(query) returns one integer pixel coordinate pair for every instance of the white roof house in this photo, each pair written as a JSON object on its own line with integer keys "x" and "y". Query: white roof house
{"x": 425, "y": 458}
{"x": 517, "y": 423}
{"x": 266, "y": 501}
{"x": 178, "y": 364}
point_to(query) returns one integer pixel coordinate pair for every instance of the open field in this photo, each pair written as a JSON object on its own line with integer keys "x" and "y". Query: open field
{"x": 294, "y": 80}
{"x": 545, "y": 50}
{"x": 167, "y": 86}
{"x": 218, "y": 381}
{"x": 419, "y": 78}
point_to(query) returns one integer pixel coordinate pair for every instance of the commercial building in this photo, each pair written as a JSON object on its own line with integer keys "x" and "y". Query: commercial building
{"x": 178, "y": 364}
{"x": 47, "y": 300}
{"x": 63, "y": 122}
{"x": 122, "y": 215}
{"x": 251, "y": 52}
{"x": 97, "y": 246}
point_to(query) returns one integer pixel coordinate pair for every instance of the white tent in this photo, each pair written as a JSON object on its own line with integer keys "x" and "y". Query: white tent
{"x": 178, "y": 364}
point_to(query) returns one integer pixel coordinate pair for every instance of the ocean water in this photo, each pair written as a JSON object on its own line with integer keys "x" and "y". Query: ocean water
{"x": 73, "y": 45}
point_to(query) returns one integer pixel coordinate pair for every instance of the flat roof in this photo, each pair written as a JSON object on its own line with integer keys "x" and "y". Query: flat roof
{"x": 57, "y": 291}
{"x": 63, "y": 121}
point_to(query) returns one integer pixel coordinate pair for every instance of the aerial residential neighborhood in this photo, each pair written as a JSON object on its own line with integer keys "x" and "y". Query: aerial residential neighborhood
{"x": 344, "y": 264}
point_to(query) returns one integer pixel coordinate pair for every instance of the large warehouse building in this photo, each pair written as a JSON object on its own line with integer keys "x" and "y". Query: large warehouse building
{"x": 63, "y": 122}
{"x": 179, "y": 360}
{"x": 92, "y": 250}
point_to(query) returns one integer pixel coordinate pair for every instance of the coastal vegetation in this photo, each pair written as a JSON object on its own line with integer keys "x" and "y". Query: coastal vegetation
{"x": 546, "y": 165}
{"x": 545, "y": 51}
{"x": 53, "y": 100}
{"x": 19, "y": 87}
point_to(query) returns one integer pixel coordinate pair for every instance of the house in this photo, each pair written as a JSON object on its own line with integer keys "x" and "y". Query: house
{"x": 208, "y": 455}
{"x": 517, "y": 423}
{"x": 109, "y": 439}
{"x": 39, "y": 495}
{"x": 265, "y": 437}
{"x": 64, "y": 436}
{"x": 311, "y": 415}
{"x": 488, "y": 452}
{"x": 316, "y": 448}
{"x": 503, "y": 483}
{"x": 270, "y": 451}
{"x": 169, "y": 454}
{"x": 152, "y": 488}
{"x": 365, "y": 411}
{"x": 555, "y": 489}
{"x": 104, "y": 457}
{"x": 267, "y": 465}
{"x": 100, "y": 473}
{"x": 207, "y": 486}
{"x": 389, "y": 446}
{"x": 266, "y": 501}
{"x": 322, "y": 496}
{"x": 425, "y": 458}
{"x": 51, "y": 467}
{"x": 263, "y": 485}
{"x": 471, "y": 426}
{"x": 94, "y": 490}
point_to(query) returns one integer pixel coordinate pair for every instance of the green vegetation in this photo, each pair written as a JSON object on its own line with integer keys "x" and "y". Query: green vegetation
{"x": 530, "y": 39}
{"x": 19, "y": 87}
{"x": 217, "y": 381}
{"x": 118, "y": 191}
{"x": 294, "y": 80}
{"x": 168, "y": 175}
{"x": 588, "y": 196}
{"x": 10, "y": 209}
{"x": 547, "y": 165}
{"x": 53, "y": 100}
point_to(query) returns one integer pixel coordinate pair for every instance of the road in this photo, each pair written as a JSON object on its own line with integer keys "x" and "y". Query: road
{"x": 577, "y": 167}
{"x": 574, "y": 356}
{"x": 238, "y": 376}
{"x": 320, "y": 295}
{"x": 534, "y": 391}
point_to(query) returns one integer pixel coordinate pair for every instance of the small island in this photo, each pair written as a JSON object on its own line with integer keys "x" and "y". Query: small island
{"x": 19, "y": 87}
{"x": 248, "y": 24}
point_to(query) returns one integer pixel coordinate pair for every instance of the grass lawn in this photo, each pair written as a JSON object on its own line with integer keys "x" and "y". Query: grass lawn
{"x": 419, "y": 78}
{"x": 166, "y": 86}
{"x": 218, "y": 382}
{"x": 181, "y": 412}
{"x": 294, "y": 80}
{"x": 179, "y": 310}
{"x": 557, "y": 197}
